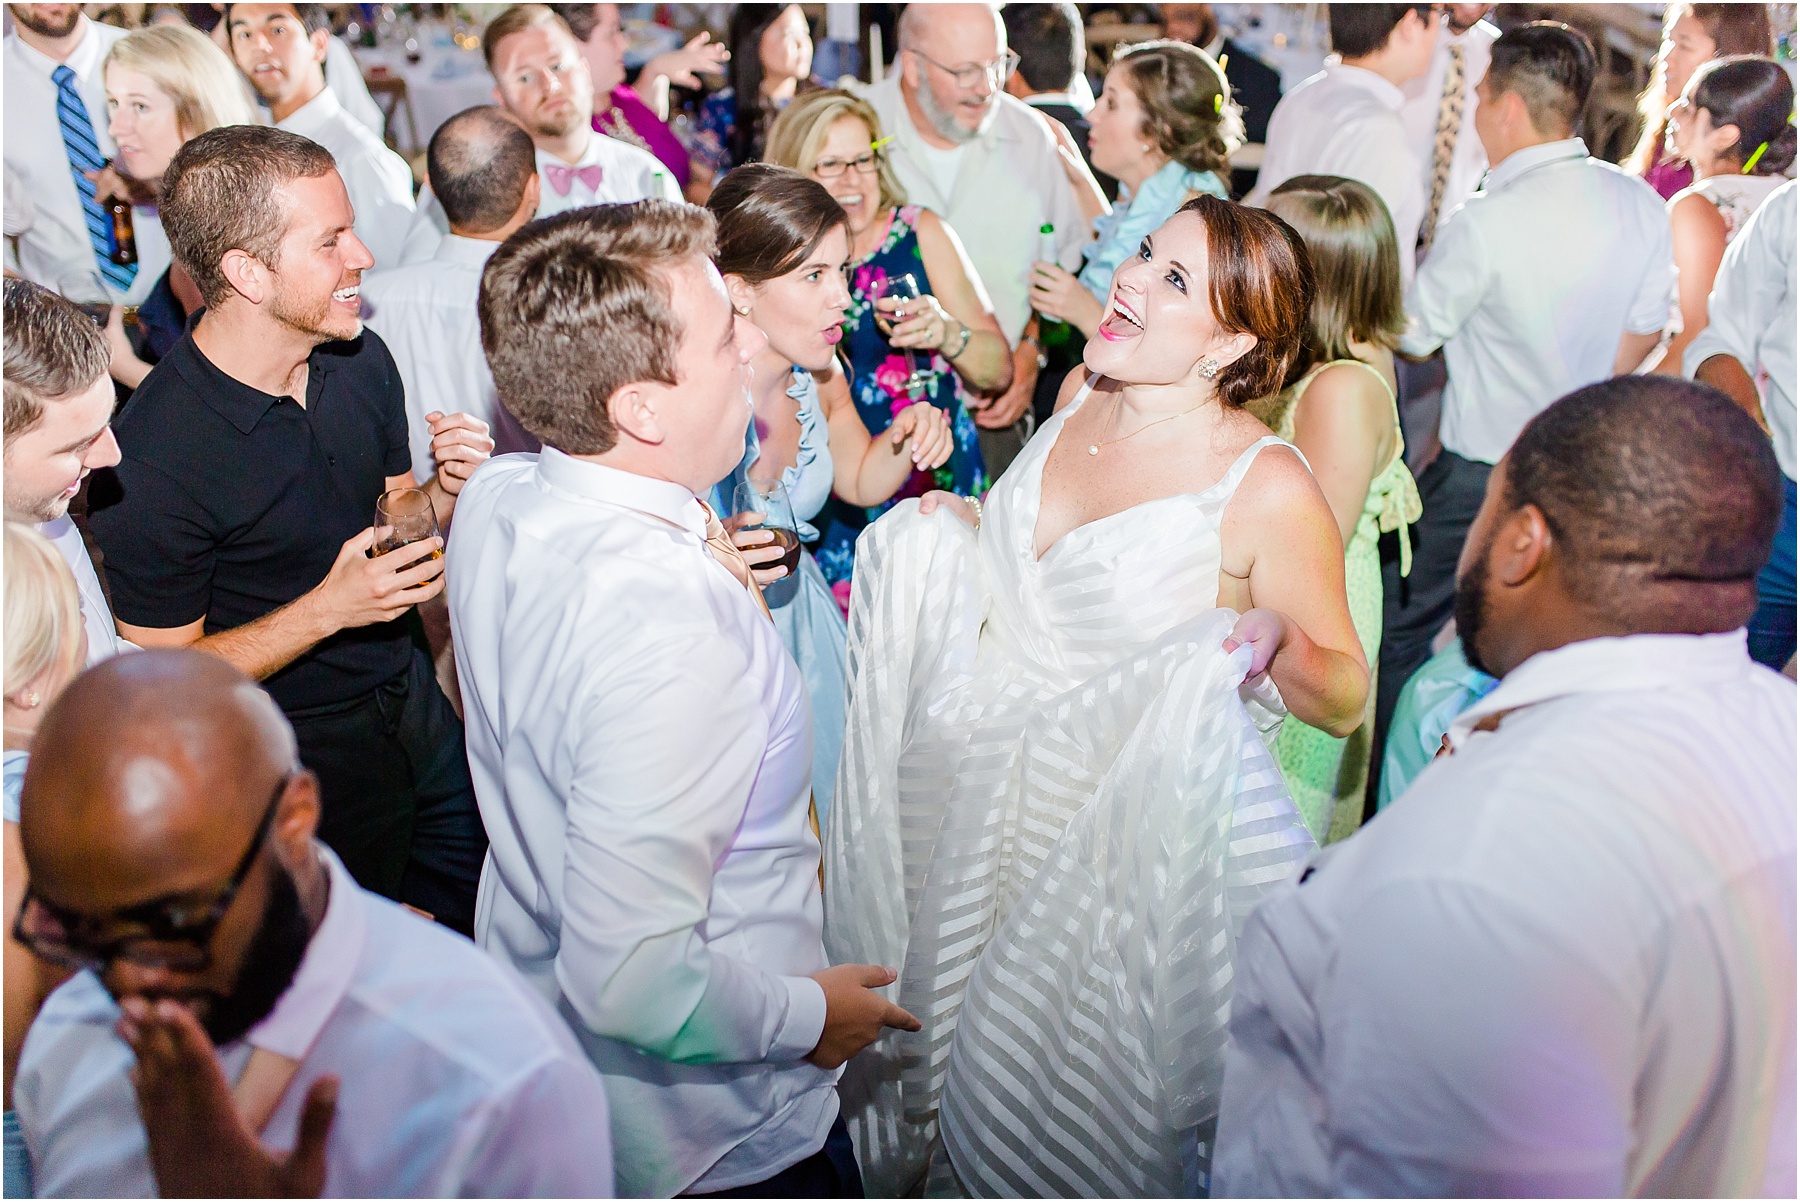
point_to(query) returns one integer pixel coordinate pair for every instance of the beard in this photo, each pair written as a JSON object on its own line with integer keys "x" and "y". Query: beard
{"x": 33, "y": 509}
{"x": 269, "y": 965}
{"x": 1471, "y": 608}
{"x": 551, "y": 127}
{"x": 944, "y": 121}
{"x": 316, "y": 320}
{"x": 35, "y": 18}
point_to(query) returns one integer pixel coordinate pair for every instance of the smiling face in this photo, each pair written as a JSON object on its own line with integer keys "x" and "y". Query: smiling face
{"x": 1159, "y": 322}
{"x": 541, "y": 78}
{"x": 1685, "y": 45}
{"x": 605, "y": 49}
{"x": 786, "y": 48}
{"x": 141, "y": 119}
{"x": 703, "y": 416}
{"x": 847, "y": 140}
{"x": 1116, "y": 131}
{"x": 284, "y": 62}
{"x": 802, "y": 312}
{"x": 316, "y": 286}
{"x": 46, "y": 464}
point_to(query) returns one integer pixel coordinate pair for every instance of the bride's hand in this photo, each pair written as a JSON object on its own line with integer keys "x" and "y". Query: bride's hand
{"x": 758, "y": 547}
{"x": 1264, "y": 630}
{"x": 929, "y": 430}
{"x": 949, "y": 500}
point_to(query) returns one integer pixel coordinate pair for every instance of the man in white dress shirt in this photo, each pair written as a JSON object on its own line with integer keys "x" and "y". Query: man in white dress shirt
{"x": 1558, "y": 273}
{"x": 1562, "y": 964}
{"x": 484, "y": 174}
{"x": 1437, "y": 112}
{"x": 988, "y": 165}
{"x": 640, "y": 738}
{"x": 59, "y": 403}
{"x": 282, "y": 48}
{"x": 65, "y": 238}
{"x": 235, "y": 986}
{"x": 1749, "y": 336}
{"x": 541, "y": 77}
{"x": 1346, "y": 119}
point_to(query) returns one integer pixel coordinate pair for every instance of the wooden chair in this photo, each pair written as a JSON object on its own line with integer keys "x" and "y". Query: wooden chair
{"x": 390, "y": 94}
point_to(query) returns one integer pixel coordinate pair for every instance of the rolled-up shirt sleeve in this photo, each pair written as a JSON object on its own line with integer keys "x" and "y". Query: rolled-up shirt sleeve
{"x": 657, "y": 799}
{"x": 1746, "y": 291}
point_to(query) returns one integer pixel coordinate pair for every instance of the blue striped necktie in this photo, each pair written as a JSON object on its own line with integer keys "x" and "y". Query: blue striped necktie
{"x": 84, "y": 156}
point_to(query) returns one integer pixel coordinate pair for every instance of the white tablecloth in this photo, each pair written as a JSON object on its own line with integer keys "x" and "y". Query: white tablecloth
{"x": 445, "y": 81}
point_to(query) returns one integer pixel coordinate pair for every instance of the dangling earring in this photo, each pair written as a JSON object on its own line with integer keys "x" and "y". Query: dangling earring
{"x": 1209, "y": 369}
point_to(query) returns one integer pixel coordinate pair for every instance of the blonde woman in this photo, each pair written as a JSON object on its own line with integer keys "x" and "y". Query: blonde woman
{"x": 1341, "y": 414}
{"x": 944, "y": 346}
{"x": 46, "y": 646}
{"x": 164, "y": 85}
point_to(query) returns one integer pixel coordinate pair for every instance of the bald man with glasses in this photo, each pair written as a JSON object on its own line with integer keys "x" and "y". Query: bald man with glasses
{"x": 244, "y": 1020}
{"x": 988, "y": 165}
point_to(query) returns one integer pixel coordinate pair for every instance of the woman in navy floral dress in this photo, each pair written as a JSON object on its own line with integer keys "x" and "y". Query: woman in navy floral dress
{"x": 960, "y": 358}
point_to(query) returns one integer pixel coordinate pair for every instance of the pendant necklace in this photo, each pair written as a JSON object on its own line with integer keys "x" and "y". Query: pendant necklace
{"x": 1094, "y": 447}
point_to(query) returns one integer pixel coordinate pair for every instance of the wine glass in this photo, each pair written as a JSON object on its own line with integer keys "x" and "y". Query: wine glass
{"x": 903, "y": 288}
{"x": 407, "y": 516}
{"x": 767, "y": 500}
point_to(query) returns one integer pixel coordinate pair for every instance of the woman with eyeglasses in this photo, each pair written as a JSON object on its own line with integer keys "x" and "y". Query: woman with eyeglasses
{"x": 943, "y": 346}
{"x": 46, "y": 646}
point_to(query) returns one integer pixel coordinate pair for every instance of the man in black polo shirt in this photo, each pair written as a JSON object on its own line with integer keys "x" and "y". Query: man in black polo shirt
{"x": 254, "y": 455}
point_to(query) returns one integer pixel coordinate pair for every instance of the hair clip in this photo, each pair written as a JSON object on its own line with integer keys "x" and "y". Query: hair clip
{"x": 1750, "y": 163}
{"x": 880, "y": 144}
{"x": 1218, "y": 103}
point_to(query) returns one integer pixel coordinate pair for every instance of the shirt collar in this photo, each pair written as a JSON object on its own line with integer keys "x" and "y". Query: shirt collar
{"x": 229, "y": 397}
{"x": 589, "y": 157}
{"x": 82, "y": 60}
{"x": 1043, "y": 99}
{"x": 1170, "y": 182}
{"x": 1631, "y": 663}
{"x": 663, "y": 499}
{"x": 314, "y": 115}
{"x": 1389, "y": 95}
{"x": 470, "y": 252}
{"x": 1519, "y": 162}
{"x": 325, "y": 971}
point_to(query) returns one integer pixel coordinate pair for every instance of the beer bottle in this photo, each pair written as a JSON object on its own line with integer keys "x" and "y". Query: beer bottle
{"x": 1051, "y": 332}
{"x": 124, "y": 239}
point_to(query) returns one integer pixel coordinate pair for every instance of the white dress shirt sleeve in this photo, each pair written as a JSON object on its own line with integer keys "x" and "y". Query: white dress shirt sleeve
{"x": 1753, "y": 278}
{"x": 1656, "y": 295}
{"x": 1471, "y": 1051}
{"x": 658, "y": 798}
{"x": 546, "y": 1138}
{"x": 1449, "y": 287}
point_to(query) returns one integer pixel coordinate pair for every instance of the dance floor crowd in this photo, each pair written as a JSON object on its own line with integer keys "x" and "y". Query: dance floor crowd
{"x": 888, "y": 640}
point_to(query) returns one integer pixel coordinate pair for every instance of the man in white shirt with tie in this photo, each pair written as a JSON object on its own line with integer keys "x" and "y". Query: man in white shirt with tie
{"x": 484, "y": 174}
{"x": 1558, "y": 273}
{"x": 640, "y": 738}
{"x": 1440, "y": 114}
{"x": 56, "y": 121}
{"x": 59, "y": 403}
{"x": 1346, "y": 119}
{"x": 282, "y": 48}
{"x": 1563, "y": 964}
{"x": 233, "y": 984}
{"x": 541, "y": 77}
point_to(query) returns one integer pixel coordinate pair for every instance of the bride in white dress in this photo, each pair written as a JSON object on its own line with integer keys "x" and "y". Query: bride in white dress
{"x": 1055, "y": 808}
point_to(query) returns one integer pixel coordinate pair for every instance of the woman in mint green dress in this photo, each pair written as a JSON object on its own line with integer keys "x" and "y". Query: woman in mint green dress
{"x": 1341, "y": 414}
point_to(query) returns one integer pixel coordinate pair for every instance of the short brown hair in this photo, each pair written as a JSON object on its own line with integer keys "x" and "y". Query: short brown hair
{"x": 517, "y": 19}
{"x": 222, "y": 193}
{"x": 1355, "y": 258}
{"x": 576, "y": 306}
{"x": 769, "y": 219}
{"x": 53, "y": 351}
{"x": 798, "y": 137}
{"x": 1188, "y": 110}
{"x": 1261, "y": 284}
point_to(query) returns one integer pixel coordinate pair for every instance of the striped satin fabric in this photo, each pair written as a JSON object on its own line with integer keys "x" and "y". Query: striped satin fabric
{"x": 84, "y": 156}
{"x": 1054, "y": 811}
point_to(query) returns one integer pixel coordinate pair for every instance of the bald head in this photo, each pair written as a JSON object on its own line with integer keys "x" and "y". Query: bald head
{"x": 973, "y": 30}
{"x": 149, "y": 776}
{"x": 480, "y": 162}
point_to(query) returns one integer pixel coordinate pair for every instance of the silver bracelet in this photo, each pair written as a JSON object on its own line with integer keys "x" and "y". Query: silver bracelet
{"x": 962, "y": 346}
{"x": 975, "y": 503}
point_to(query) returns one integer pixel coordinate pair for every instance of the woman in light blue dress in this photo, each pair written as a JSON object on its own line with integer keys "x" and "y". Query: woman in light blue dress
{"x": 46, "y": 646}
{"x": 783, "y": 245}
{"x": 1164, "y": 127}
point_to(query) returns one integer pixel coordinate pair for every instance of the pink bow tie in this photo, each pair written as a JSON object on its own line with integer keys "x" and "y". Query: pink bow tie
{"x": 563, "y": 178}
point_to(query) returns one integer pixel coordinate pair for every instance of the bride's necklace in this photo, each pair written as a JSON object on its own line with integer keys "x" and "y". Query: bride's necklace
{"x": 1094, "y": 447}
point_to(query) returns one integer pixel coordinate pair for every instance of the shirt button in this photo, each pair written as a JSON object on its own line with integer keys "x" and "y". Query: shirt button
{"x": 331, "y": 459}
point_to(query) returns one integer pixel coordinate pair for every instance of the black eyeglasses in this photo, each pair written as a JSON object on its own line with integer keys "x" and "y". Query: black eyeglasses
{"x": 174, "y": 933}
{"x": 996, "y": 72}
{"x": 866, "y": 163}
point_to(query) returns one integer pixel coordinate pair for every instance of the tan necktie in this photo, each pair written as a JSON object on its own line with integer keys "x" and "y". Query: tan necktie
{"x": 726, "y": 552}
{"x": 1443, "y": 152}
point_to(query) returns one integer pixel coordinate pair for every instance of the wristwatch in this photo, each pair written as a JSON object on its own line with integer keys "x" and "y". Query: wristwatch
{"x": 1043, "y": 355}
